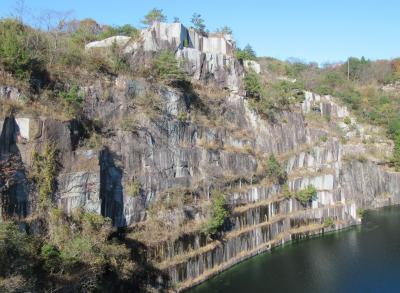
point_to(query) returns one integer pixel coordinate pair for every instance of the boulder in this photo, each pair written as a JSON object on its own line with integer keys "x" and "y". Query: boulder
{"x": 120, "y": 41}
{"x": 252, "y": 65}
{"x": 10, "y": 93}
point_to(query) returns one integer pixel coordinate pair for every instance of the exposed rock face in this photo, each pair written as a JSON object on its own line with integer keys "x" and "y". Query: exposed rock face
{"x": 370, "y": 186}
{"x": 168, "y": 154}
{"x": 324, "y": 105}
{"x": 119, "y": 41}
{"x": 173, "y": 36}
{"x": 79, "y": 187}
{"x": 206, "y": 58}
{"x": 252, "y": 65}
{"x": 14, "y": 188}
{"x": 208, "y": 67}
{"x": 165, "y": 155}
{"x": 10, "y": 93}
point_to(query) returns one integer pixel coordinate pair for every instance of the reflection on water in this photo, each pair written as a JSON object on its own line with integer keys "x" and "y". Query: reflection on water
{"x": 362, "y": 259}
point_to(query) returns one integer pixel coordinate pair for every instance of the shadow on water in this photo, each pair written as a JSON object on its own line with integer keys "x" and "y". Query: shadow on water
{"x": 13, "y": 180}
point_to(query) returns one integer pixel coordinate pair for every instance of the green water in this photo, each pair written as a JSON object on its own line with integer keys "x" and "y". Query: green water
{"x": 361, "y": 259}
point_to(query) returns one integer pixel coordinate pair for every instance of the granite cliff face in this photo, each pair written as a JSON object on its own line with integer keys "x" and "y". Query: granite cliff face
{"x": 209, "y": 59}
{"x": 178, "y": 156}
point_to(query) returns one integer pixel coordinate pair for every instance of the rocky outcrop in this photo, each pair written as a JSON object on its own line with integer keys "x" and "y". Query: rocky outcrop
{"x": 10, "y": 93}
{"x": 118, "y": 41}
{"x": 252, "y": 65}
{"x": 166, "y": 157}
{"x": 207, "y": 58}
{"x": 162, "y": 36}
{"x": 323, "y": 105}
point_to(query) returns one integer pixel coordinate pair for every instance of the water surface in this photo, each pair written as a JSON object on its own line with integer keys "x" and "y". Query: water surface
{"x": 361, "y": 259}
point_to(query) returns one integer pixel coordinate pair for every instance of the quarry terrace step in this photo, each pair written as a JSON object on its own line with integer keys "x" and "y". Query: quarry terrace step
{"x": 168, "y": 253}
{"x": 209, "y": 263}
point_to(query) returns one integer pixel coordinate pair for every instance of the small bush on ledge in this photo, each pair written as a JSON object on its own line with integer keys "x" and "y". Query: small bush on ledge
{"x": 275, "y": 172}
{"x": 328, "y": 222}
{"x": 306, "y": 195}
{"x": 347, "y": 120}
{"x": 361, "y": 212}
{"x": 133, "y": 188}
{"x": 218, "y": 214}
{"x": 166, "y": 68}
{"x": 285, "y": 191}
{"x": 252, "y": 84}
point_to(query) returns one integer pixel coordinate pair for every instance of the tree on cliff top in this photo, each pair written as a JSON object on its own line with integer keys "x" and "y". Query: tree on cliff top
{"x": 225, "y": 30}
{"x": 247, "y": 53}
{"x": 198, "y": 23}
{"x": 154, "y": 15}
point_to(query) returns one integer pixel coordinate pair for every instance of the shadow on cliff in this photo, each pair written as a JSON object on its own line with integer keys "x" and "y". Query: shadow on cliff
{"x": 192, "y": 98}
{"x": 147, "y": 278}
{"x": 13, "y": 182}
{"x": 112, "y": 206}
{"x": 111, "y": 190}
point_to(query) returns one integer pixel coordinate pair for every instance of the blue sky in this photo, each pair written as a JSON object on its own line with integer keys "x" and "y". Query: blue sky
{"x": 318, "y": 30}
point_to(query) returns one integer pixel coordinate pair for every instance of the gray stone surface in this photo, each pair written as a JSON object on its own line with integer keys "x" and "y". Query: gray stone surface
{"x": 206, "y": 58}
{"x": 166, "y": 155}
{"x": 252, "y": 65}
{"x": 118, "y": 41}
{"x": 10, "y": 93}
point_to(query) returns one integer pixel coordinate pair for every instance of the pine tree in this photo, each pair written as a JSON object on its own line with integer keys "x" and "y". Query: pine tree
{"x": 198, "y": 23}
{"x": 154, "y": 15}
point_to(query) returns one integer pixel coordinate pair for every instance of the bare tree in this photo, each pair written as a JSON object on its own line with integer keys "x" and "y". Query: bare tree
{"x": 55, "y": 23}
{"x": 20, "y": 10}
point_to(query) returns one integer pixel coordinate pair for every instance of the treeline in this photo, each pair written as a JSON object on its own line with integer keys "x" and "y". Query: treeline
{"x": 358, "y": 82}
{"x": 30, "y": 54}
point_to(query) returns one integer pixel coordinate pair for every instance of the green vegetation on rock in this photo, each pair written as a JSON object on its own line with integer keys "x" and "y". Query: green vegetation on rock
{"x": 218, "y": 215}
{"x": 268, "y": 100}
{"x": 275, "y": 172}
{"x": 198, "y": 23}
{"x": 285, "y": 191}
{"x": 133, "y": 188}
{"x": 73, "y": 100}
{"x": 123, "y": 30}
{"x": 396, "y": 153}
{"x": 306, "y": 195}
{"x": 17, "y": 259}
{"x": 226, "y": 30}
{"x": 246, "y": 54}
{"x": 328, "y": 222}
{"x": 167, "y": 68}
{"x": 44, "y": 171}
{"x": 71, "y": 244}
{"x": 361, "y": 212}
{"x": 253, "y": 86}
{"x": 18, "y": 53}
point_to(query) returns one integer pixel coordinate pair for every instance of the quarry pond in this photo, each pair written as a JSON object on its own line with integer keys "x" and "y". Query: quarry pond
{"x": 365, "y": 258}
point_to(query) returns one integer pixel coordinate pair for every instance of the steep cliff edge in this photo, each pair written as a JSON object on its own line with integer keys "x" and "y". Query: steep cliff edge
{"x": 162, "y": 152}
